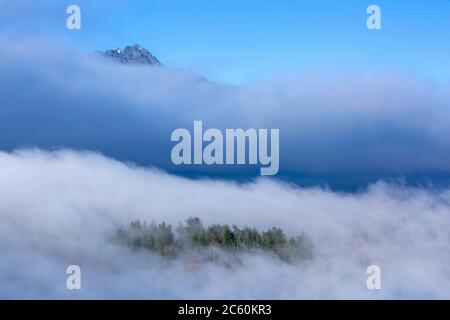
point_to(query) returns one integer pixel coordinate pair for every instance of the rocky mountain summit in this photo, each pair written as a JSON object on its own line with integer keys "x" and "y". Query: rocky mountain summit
{"x": 134, "y": 54}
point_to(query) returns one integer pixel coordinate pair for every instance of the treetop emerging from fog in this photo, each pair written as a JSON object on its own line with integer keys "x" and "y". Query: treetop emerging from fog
{"x": 193, "y": 237}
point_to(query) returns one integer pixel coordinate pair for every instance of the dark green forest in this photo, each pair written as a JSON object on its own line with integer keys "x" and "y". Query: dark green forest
{"x": 192, "y": 236}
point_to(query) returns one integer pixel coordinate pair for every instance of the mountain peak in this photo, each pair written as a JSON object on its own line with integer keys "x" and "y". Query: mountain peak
{"x": 134, "y": 54}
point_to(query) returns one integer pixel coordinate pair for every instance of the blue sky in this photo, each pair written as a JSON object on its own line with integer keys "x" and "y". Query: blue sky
{"x": 235, "y": 41}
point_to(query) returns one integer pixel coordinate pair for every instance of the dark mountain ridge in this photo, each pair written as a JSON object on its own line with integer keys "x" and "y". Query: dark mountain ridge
{"x": 134, "y": 54}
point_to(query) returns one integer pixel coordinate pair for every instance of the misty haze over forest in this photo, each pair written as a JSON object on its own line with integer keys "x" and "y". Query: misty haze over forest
{"x": 63, "y": 208}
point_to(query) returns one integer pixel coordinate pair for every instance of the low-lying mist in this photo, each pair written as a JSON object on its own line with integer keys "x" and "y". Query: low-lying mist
{"x": 61, "y": 208}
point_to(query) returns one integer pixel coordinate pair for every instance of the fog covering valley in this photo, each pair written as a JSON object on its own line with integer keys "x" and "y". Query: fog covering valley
{"x": 62, "y": 208}
{"x": 86, "y": 151}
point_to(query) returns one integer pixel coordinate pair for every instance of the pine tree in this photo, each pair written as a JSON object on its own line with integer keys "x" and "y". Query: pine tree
{"x": 228, "y": 238}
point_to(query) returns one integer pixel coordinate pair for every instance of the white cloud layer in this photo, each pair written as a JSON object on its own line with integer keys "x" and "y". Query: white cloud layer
{"x": 60, "y": 208}
{"x": 329, "y": 123}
